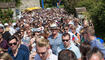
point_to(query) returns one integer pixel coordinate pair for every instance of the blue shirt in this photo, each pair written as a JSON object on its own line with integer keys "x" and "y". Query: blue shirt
{"x": 22, "y": 54}
{"x": 98, "y": 44}
{"x": 55, "y": 43}
{"x": 72, "y": 47}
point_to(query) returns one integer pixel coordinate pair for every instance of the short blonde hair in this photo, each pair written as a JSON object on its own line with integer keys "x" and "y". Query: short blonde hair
{"x": 88, "y": 30}
{"x": 73, "y": 27}
{"x": 91, "y": 30}
{"x": 42, "y": 42}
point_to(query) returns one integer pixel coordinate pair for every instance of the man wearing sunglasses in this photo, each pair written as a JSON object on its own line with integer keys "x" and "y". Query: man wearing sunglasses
{"x": 43, "y": 50}
{"x": 17, "y": 50}
{"x": 67, "y": 45}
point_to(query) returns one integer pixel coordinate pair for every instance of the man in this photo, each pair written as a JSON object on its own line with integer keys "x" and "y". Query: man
{"x": 33, "y": 41}
{"x": 78, "y": 27}
{"x": 43, "y": 50}
{"x": 89, "y": 35}
{"x": 67, "y": 45}
{"x": 73, "y": 29}
{"x": 72, "y": 36}
{"x": 95, "y": 54}
{"x": 55, "y": 38}
{"x": 16, "y": 50}
{"x": 66, "y": 55}
{"x": 69, "y": 20}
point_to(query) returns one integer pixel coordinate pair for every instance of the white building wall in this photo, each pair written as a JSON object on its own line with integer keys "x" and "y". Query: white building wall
{"x": 29, "y": 4}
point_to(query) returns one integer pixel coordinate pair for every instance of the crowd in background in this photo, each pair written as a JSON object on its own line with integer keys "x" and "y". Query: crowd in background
{"x": 50, "y": 34}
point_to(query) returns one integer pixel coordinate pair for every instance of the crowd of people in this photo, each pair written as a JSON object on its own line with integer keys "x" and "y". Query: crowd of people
{"x": 49, "y": 34}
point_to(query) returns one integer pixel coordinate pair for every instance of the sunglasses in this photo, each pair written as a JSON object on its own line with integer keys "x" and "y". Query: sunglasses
{"x": 1, "y": 27}
{"x": 10, "y": 44}
{"x": 65, "y": 29}
{"x": 42, "y": 53}
{"x": 22, "y": 31}
{"x": 72, "y": 29}
{"x": 54, "y": 29}
{"x": 38, "y": 31}
{"x": 65, "y": 40}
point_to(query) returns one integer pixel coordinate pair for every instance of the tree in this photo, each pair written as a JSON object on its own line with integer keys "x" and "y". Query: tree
{"x": 6, "y": 0}
{"x": 7, "y": 14}
{"x": 69, "y": 6}
{"x": 18, "y": 3}
{"x": 96, "y": 9}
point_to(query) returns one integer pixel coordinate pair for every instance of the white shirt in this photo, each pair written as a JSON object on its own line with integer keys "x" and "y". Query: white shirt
{"x": 71, "y": 22}
{"x": 51, "y": 57}
{"x": 78, "y": 29}
{"x": 12, "y": 30}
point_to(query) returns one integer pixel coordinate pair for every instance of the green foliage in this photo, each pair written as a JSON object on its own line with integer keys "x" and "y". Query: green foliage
{"x": 96, "y": 12}
{"x": 51, "y": 3}
{"x": 6, "y": 15}
{"x": 6, "y": 0}
{"x": 69, "y": 6}
{"x": 96, "y": 9}
{"x": 18, "y": 3}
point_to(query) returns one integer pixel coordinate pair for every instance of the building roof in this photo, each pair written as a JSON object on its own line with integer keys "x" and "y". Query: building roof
{"x": 80, "y": 9}
{"x": 4, "y": 5}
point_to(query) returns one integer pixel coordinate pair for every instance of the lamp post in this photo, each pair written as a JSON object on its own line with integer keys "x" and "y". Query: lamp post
{"x": 42, "y": 1}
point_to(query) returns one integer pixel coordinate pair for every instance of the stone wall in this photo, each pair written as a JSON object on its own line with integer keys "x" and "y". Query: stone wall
{"x": 29, "y": 4}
